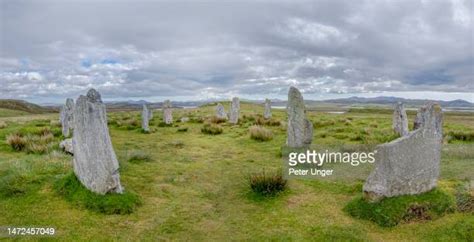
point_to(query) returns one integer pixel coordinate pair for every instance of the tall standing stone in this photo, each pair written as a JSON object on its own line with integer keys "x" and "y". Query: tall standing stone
{"x": 95, "y": 163}
{"x": 234, "y": 111}
{"x": 409, "y": 164}
{"x": 167, "y": 112}
{"x": 145, "y": 118}
{"x": 267, "y": 113}
{"x": 220, "y": 112}
{"x": 430, "y": 115}
{"x": 400, "y": 120}
{"x": 299, "y": 130}
{"x": 66, "y": 117}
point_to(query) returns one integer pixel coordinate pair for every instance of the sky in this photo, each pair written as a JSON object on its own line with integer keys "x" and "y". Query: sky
{"x": 198, "y": 50}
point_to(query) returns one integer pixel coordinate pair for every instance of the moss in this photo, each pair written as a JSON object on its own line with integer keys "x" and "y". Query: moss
{"x": 70, "y": 187}
{"x": 391, "y": 211}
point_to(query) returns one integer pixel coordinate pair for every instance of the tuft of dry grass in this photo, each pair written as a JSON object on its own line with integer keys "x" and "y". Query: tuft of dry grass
{"x": 16, "y": 141}
{"x": 212, "y": 129}
{"x": 260, "y": 133}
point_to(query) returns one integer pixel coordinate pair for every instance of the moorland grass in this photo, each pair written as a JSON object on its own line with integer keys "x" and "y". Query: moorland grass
{"x": 212, "y": 129}
{"x": 267, "y": 183}
{"x": 138, "y": 156}
{"x": 260, "y": 133}
{"x": 201, "y": 191}
{"x": 72, "y": 189}
{"x": 391, "y": 211}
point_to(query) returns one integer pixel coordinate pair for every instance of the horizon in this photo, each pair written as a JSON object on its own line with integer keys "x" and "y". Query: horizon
{"x": 217, "y": 50}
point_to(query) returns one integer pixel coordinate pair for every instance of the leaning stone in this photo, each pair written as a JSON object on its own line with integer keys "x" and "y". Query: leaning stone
{"x": 220, "y": 112}
{"x": 66, "y": 146}
{"x": 267, "y": 114}
{"x": 66, "y": 117}
{"x": 167, "y": 112}
{"x": 145, "y": 118}
{"x": 299, "y": 130}
{"x": 409, "y": 164}
{"x": 234, "y": 111}
{"x": 95, "y": 163}
{"x": 400, "y": 120}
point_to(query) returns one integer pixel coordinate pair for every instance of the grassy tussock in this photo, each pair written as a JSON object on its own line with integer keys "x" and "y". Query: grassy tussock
{"x": 212, "y": 129}
{"x": 3, "y": 125}
{"x": 138, "y": 156}
{"x": 267, "y": 122}
{"x": 267, "y": 184}
{"x": 260, "y": 133}
{"x": 72, "y": 189}
{"x": 392, "y": 211}
{"x": 216, "y": 120}
{"x": 38, "y": 143}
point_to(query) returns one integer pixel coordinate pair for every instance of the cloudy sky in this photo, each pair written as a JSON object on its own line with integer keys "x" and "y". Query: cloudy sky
{"x": 156, "y": 50}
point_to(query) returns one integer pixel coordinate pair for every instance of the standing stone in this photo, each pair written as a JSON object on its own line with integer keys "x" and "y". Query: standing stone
{"x": 234, "y": 111}
{"x": 145, "y": 118}
{"x": 167, "y": 112}
{"x": 66, "y": 117}
{"x": 400, "y": 120}
{"x": 267, "y": 114}
{"x": 95, "y": 163}
{"x": 299, "y": 130}
{"x": 430, "y": 115}
{"x": 409, "y": 164}
{"x": 220, "y": 111}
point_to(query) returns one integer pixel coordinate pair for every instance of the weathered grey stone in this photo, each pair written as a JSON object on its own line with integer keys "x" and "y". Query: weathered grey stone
{"x": 95, "y": 163}
{"x": 234, "y": 111}
{"x": 299, "y": 130}
{"x": 409, "y": 164}
{"x": 430, "y": 115}
{"x": 66, "y": 146}
{"x": 167, "y": 112}
{"x": 145, "y": 118}
{"x": 400, "y": 120}
{"x": 184, "y": 119}
{"x": 267, "y": 113}
{"x": 220, "y": 111}
{"x": 66, "y": 117}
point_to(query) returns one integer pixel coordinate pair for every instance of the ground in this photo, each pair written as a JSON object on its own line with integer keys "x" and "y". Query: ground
{"x": 196, "y": 185}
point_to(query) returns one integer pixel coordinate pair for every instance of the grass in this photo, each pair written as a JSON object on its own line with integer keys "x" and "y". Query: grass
{"x": 260, "y": 133}
{"x": 212, "y": 129}
{"x": 267, "y": 184}
{"x": 392, "y": 211}
{"x": 72, "y": 189}
{"x": 201, "y": 191}
{"x": 138, "y": 156}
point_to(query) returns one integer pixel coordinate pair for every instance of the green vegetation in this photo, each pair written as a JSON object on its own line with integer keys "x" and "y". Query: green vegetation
{"x": 194, "y": 186}
{"x": 267, "y": 184}
{"x": 391, "y": 211}
{"x": 260, "y": 133}
{"x": 20, "y": 107}
{"x": 138, "y": 156}
{"x": 72, "y": 189}
{"x": 212, "y": 129}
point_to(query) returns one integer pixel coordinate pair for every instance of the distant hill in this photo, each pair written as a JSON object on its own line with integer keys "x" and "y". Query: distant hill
{"x": 20, "y": 105}
{"x": 391, "y": 100}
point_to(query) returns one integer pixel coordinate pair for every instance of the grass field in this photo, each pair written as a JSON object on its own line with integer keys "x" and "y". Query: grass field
{"x": 195, "y": 186}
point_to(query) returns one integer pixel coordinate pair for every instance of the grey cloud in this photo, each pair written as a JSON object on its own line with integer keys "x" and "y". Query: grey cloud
{"x": 149, "y": 49}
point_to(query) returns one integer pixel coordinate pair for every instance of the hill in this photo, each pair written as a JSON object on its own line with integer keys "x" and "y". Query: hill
{"x": 24, "y": 106}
